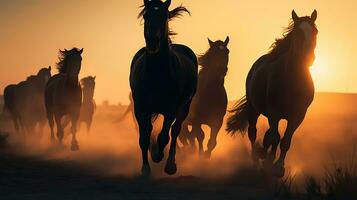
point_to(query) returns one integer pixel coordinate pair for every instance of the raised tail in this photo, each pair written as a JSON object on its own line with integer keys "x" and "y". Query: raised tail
{"x": 239, "y": 120}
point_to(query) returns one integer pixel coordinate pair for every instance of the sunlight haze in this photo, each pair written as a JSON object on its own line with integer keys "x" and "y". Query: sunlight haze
{"x": 32, "y": 32}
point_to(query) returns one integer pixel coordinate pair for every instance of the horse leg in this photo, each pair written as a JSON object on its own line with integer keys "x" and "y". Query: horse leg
{"x": 252, "y": 134}
{"x": 59, "y": 128}
{"x": 183, "y": 137}
{"x": 171, "y": 167}
{"x": 89, "y": 125}
{"x": 272, "y": 139}
{"x": 212, "y": 142}
{"x": 293, "y": 124}
{"x": 145, "y": 128}
{"x": 162, "y": 139}
{"x": 16, "y": 124}
{"x": 74, "y": 124}
{"x": 51, "y": 123}
{"x": 200, "y": 135}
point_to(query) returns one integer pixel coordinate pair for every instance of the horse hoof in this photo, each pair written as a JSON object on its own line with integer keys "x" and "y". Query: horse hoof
{"x": 278, "y": 171}
{"x": 170, "y": 168}
{"x": 157, "y": 157}
{"x": 145, "y": 171}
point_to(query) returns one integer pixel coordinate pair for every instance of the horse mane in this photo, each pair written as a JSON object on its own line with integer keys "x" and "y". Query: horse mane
{"x": 63, "y": 58}
{"x": 282, "y": 44}
{"x": 205, "y": 59}
{"x": 175, "y": 13}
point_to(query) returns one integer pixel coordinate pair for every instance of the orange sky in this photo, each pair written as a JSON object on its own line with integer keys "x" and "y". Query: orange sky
{"x": 32, "y": 31}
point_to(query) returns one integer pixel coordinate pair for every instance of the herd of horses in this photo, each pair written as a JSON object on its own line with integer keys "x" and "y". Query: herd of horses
{"x": 165, "y": 79}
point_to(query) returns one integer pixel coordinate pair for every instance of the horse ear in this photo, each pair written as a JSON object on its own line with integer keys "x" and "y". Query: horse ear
{"x": 94, "y": 77}
{"x": 226, "y": 41}
{"x": 294, "y": 16}
{"x": 210, "y": 42}
{"x": 314, "y": 16}
{"x": 146, "y": 2}
{"x": 49, "y": 67}
{"x": 81, "y": 51}
{"x": 167, "y": 3}
{"x": 65, "y": 50}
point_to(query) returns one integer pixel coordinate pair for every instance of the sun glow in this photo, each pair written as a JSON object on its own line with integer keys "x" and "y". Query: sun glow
{"x": 319, "y": 70}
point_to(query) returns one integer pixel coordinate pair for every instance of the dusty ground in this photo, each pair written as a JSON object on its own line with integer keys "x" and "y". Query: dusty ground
{"x": 107, "y": 166}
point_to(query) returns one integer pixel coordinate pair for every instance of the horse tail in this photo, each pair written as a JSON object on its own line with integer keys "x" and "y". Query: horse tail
{"x": 239, "y": 120}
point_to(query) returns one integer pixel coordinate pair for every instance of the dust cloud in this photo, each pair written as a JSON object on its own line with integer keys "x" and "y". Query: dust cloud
{"x": 327, "y": 136}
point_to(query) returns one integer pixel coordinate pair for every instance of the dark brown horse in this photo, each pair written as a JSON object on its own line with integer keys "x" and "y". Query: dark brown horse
{"x": 279, "y": 86}
{"x": 163, "y": 80}
{"x": 88, "y": 103}
{"x": 25, "y": 102}
{"x": 63, "y": 94}
{"x": 210, "y": 102}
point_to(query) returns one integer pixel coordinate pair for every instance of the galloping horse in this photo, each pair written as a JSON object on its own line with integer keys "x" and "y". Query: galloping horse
{"x": 88, "y": 103}
{"x": 163, "y": 80}
{"x": 279, "y": 86}
{"x": 63, "y": 95}
{"x": 210, "y": 102}
{"x": 25, "y": 101}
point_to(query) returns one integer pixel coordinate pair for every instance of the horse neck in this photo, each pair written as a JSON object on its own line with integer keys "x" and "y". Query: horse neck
{"x": 87, "y": 95}
{"x": 162, "y": 56}
{"x": 212, "y": 76}
{"x": 71, "y": 81}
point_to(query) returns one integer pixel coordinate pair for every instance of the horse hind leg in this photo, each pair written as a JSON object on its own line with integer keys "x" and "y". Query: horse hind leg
{"x": 212, "y": 142}
{"x": 51, "y": 123}
{"x": 271, "y": 138}
{"x": 171, "y": 167}
{"x": 252, "y": 134}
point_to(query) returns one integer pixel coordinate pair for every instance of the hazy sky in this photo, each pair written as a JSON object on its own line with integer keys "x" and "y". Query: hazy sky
{"x": 32, "y": 31}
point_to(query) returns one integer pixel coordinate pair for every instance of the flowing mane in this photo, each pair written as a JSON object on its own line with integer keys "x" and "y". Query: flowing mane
{"x": 282, "y": 44}
{"x": 204, "y": 60}
{"x": 63, "y": 58}
{"x": 175, "y": 13}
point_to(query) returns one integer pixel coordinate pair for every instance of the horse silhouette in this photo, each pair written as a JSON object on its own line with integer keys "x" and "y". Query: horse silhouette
{"x": 88, "y": 103}
{"x": 63, "y": 94}
{"x": 279, "y": 86}
{"x": 209, "y": 105}
{"x": 163, "y": 80}
{"x": 25, "y": 102}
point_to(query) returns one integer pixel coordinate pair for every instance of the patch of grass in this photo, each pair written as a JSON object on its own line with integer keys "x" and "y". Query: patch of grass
{"x": 283, "y": 188}
{"x": 341, "y": 181}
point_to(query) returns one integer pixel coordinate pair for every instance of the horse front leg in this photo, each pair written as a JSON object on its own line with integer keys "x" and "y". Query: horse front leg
{"x": 293, "y": 124}
{"x": 171, "y": 167}
{"x": 74, "y": 124}
{"x": 212, "y": 142}
{"x": 162, "y": 139}
{"x": 60, "y": 131}
{"x": 272, "y": 138}
{"x": 145, "y": 128}
{"x": 198, "y": 133}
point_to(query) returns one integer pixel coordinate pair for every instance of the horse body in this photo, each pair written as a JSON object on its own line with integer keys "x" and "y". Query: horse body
{"x": 63, "y": 95}
{"x": 279, "y": 86}
{"x": 163, "y": 80}
{"x": 209, "y": 105}
{"x": 88, "y": 104}
{"x": 25, "y": 101}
